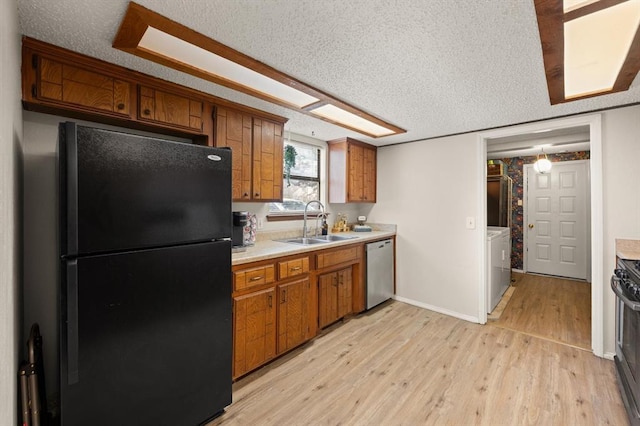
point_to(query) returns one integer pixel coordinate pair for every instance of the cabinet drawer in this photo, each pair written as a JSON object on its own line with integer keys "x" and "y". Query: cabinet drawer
{"x": 294, "y": 267}
{"x": 324, "y": 260}
{"x": 247, "y": 278}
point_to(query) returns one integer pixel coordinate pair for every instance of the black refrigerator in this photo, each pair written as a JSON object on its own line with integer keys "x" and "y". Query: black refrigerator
{"x": 145, "y": 279}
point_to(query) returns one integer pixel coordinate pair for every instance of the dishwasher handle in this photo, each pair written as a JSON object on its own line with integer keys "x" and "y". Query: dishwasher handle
{"x": 379, "y": 245}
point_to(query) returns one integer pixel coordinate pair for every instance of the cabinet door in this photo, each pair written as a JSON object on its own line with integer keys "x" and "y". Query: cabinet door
{"x": 345, "y": 300}
{"x": 254, "y": 318}
{"x": 369, "y": 175}
{"x": 327, "y": 299}
{"x": 233, "y": 130}
{"x": 293, "y": 314}
{"x": 79, "y": 88}
{"x": 267, "y": 160}
{"x": 355, "y": 190}
{"x": 169, "y": 109}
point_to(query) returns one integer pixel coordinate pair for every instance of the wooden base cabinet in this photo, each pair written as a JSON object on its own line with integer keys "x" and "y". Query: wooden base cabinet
{"x": 254, "y": 319}
{"x": 293, "y": 314}
{"x": 281, "y": 303}
{"x": 335, "y": 296}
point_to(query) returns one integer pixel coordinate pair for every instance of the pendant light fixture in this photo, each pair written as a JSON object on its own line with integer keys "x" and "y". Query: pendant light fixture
{"x": 542, "y": 164}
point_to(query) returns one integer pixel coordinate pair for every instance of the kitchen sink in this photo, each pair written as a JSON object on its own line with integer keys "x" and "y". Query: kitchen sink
{"x": 333, "y": 237}
{"x": 303, "y": 241}
{"x": 320, "y": 239}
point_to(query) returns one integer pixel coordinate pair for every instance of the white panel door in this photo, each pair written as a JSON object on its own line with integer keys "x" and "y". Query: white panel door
{"x": 556, "y": 228}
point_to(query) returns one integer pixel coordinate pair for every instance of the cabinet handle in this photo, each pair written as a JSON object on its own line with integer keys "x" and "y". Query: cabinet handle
{"x": 270, "y": 300}
{"x": 256, "y": 278}
{"x": 335, "y": 281}
{"x": 120, "y": 106}
{"x": 257, "y": 194}
{"x": 295, "y": 268}
{"x": 284, "y": 296}
{"x": 245, "y": 195}
{"x": 146, "y": 111}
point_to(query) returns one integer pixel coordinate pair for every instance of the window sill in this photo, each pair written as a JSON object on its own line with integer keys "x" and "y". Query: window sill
{"x": 281, "y": 217}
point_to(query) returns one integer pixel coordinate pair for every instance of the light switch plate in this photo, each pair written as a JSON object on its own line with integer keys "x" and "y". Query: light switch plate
{"x": 471, "y": 222}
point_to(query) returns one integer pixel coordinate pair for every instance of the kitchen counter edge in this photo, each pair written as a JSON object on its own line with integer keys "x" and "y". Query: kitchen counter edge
{"x": 264, "y": 250}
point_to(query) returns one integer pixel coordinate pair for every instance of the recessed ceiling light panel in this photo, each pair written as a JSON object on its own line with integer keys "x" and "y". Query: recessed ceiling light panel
{"x": 596, "y": 46}
{"x": 149, "y": 35}
{"x": 169, "y": 46}
{"x": 358, "y": 123}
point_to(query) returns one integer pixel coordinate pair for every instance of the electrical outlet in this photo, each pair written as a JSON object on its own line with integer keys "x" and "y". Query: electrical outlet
{"x": 471, "y": 222}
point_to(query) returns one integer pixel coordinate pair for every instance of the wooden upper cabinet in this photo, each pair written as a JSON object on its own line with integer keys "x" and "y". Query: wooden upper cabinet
{"x": 233, "y": 130}
{"x": 66, "y": 85}
{"x": 352, "y": 171}
{"x": 169, "y": 109}
{"x": 267, "y": 160}
{"x": 256, "y": 145}
{"x": 62, "y": 82}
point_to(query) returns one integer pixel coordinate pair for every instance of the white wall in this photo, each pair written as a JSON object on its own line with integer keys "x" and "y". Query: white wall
{"x": 10, "y": 158}
{"x": 428, "y": 189}
{"x": 621, "y": 197}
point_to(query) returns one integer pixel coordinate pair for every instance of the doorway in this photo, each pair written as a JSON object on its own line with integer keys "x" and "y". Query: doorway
{"x": 519, "y": 137}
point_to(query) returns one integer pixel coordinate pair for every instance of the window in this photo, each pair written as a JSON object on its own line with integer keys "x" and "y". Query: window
{"x": 303, "y": 183}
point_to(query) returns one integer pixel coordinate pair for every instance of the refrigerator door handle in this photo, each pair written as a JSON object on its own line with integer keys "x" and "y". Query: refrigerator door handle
{"x": 72, "y": 322}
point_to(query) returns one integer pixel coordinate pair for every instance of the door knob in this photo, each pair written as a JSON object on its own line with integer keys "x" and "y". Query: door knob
{"x": 531, "y": 226}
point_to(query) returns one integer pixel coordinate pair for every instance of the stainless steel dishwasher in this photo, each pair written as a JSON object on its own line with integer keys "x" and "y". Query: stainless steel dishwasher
{"x": 379, "y": 272}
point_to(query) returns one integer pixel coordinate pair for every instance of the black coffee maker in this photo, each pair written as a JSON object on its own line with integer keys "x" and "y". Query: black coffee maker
{"x": 239, "y": 224}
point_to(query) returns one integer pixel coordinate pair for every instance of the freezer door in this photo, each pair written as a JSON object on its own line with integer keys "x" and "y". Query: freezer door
{"x": 121, "y": 191}
{"x": 146, "y": 336}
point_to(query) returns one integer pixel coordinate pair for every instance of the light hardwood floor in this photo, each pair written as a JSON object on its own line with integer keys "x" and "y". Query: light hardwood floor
{"x": 550, "y": 307}
{"x": 403, "y": 365}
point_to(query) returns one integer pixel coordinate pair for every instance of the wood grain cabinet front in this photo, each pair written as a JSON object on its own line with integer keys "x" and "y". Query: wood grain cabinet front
{"x": 256, "y": 146}
{"x": 77, "y": 88}
{"x": 252, "y": 277}
{"x": 169, "y": 109}
{"x": 294, "y": 304}
{"x": 352, "y": 171}
{"x": 334, "y": 296}
{"x": 293, "y": 267}
{"x": 254, "y": 330}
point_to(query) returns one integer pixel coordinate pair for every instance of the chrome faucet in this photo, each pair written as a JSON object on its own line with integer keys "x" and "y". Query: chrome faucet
{"x": 304, "y": 225}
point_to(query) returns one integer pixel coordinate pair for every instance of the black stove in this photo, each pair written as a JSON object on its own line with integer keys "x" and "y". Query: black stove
{"x": 625, "y": 283}
{"x": 628, "y": 272}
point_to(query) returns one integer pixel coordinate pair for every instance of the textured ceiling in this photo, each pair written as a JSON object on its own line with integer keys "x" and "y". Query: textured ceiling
{"x": 432, "y": 67}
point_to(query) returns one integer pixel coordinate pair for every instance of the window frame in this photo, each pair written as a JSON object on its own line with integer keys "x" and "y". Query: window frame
{"x": 295, "y": 214}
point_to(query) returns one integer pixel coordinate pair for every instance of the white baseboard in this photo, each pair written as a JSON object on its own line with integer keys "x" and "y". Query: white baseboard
{"x": 609, "y": 355}
{"x": 437, "y": 309}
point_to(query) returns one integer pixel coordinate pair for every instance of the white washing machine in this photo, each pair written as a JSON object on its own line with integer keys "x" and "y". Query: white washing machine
{"x": 498, "y": 264}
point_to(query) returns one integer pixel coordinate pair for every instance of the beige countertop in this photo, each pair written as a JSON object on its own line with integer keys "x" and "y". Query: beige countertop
{"x": 628, "y": 249}
{"x": 267, "y": 249}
